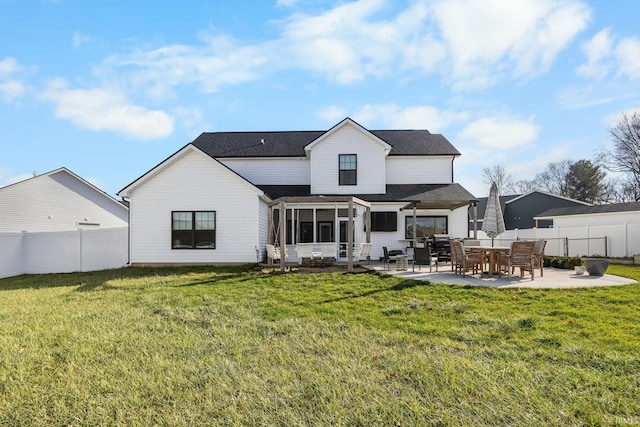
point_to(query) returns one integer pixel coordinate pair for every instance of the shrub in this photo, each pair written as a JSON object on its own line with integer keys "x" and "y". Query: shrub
{"x": 562, "y": 262}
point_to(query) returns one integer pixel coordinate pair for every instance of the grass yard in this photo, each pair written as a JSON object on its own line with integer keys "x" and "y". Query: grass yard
{"x": 205, "y": 346}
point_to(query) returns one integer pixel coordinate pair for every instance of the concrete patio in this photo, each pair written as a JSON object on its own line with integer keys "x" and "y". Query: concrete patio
{"x": 553, "y": 278}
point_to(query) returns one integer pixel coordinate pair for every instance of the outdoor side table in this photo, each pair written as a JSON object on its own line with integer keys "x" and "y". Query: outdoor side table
{"x": 402, "y": 262}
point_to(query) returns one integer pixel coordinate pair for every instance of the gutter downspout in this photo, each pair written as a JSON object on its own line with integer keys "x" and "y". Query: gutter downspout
{"x": 128, "y": 230}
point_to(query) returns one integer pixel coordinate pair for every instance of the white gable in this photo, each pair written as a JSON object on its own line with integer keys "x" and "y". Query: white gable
{"x": 193, "y": 181}
{"x": 58, "y": 201}
{"x": 348, "y": 138}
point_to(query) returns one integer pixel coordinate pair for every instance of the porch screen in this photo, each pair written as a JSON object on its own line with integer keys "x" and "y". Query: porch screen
{"x": 193, "y": 230}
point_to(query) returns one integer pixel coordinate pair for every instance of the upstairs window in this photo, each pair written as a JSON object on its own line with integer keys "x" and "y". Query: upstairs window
{"x": 348, "y": 169}
{"x": 193, "y": 230}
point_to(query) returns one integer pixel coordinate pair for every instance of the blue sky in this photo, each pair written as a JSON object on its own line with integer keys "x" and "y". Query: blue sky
{"x": 109, "y": 89}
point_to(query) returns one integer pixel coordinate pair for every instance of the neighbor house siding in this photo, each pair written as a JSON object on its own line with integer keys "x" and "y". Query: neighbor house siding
{"x": 597, "y": 219}
{"x": 419, "y": 170}
{"x": 272, "y": 171}
{"x": 194, "y": 182}
{"x": 57, "y": 202}
{"x": 370, "y": 163}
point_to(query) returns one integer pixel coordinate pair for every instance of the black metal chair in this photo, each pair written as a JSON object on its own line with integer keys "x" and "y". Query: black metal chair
{"x": 387, "y": 258}
{"x": 425, "y": 256}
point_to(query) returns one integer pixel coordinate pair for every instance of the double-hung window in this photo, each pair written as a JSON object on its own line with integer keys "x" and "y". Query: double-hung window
{"x": 193, "y": 230}
{"x": 348, "y": 169}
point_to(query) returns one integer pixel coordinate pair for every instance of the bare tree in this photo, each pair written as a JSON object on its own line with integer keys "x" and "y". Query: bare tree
{"x": 524, "y": 186}
{"x": 624, "y": 157}
{"x": 553, "y": 178}
{"x": 498, "y": 174}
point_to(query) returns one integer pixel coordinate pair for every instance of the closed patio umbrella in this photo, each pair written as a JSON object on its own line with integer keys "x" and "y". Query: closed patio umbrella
{"x": 493, "y": 222}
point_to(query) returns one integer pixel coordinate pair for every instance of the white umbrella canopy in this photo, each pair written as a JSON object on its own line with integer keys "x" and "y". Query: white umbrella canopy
{"x": 493, "y": 221}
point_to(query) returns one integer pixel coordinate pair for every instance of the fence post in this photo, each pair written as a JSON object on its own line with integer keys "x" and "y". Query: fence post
{"x": 80, "y": 237}
{"x": 24, "y": 252}
{"x": 606, "y": 250}
{"x": 566, "y": 246}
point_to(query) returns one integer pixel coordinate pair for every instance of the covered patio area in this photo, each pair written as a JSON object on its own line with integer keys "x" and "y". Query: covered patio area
{"x": 316, "y": 222}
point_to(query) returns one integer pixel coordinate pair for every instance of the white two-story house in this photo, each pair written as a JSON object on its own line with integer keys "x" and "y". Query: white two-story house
{"x": 222, "y": 198}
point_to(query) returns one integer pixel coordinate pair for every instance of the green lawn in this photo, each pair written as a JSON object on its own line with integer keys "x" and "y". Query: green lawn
{"x": 204, "y": 346}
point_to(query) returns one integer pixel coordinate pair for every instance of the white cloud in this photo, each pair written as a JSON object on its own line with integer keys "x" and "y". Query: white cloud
{"x": 286, "y": 3}
{"x": 501, "y": 133}
{"x": 10, "y": 87}
{"x": 471, "y": 44}
{"x": 608, "y": 56}
{"x": 597, "y": 50}
{"x": 220, "y": 61}
{"x": 392, "y": 116}
{"x": 628, "y": 55}
{"x": 8, "y": 67}
{"x": 79, "y": 39}
{"x": 332, "y": 113}
{"x": 492, "y": 38}
{"x": 7, "y": 177}
{"x": 107, "y": 109}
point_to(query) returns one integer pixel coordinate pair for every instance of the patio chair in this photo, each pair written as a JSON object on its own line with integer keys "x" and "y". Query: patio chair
{"x": 463, "y": 261}
{"x": 274, "y": 254}
{"x": 387, "y": 258}
{"x": 363, "y": 252}
{"x": 538, "y": 255}
{"x": 424, "y": 256}
{"x": 520, "y": 255}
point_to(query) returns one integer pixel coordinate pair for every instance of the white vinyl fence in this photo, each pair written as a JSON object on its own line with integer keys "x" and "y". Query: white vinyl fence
{"x": 63, "y": 251}
{"x": 614, "y": 241}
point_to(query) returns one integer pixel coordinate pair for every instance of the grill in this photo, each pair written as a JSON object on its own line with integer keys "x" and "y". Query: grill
{"x": 440, "y": 245}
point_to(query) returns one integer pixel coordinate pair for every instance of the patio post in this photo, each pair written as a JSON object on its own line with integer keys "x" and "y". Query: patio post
{"x": 475, "y": 221}
{"x": 415, "y": 227}
{"x": 283, "y": 236}
{"x": 368, "y": 225}
{"x": 350, "y": 235}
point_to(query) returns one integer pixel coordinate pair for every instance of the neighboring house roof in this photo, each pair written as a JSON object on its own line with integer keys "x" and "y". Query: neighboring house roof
{"x": 395, "y": 193}
{"x": 58, "y": 200}
{"x": 521, "y": 210}
{"x": 584, "y": 210}
{"x": 74, "y": 176}
{"x": 293, "y": 143}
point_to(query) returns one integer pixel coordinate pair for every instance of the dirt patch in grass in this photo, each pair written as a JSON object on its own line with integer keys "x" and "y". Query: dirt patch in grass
{"x": 309, "y": 269}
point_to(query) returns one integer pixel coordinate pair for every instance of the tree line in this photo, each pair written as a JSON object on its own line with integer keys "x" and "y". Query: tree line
{"x": 585, "y": 179}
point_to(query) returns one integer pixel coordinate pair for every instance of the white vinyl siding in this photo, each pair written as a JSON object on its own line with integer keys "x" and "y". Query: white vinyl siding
{"x": 57, "y": 202}
{"x": 457, "y": 225}
{"x": 419, "y": 170}
{"x": 263, "y": 228}
{"x": 348, "y": 140}
{"x": 194, "y": 182}
{"x": 597, "y": 219}
{"x": 272, "y": 171}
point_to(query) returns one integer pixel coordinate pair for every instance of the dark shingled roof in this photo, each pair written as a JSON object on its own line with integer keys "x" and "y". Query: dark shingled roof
{"x": 581, "y": 210}
{"x": 395, "y": 192}
{"x": 292, "y": 143}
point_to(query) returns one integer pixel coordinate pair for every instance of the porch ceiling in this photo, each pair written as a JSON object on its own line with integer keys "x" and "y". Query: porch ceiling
{"x": 448, "y": 196}
{"x": 441, "y": 204}
{"x": 320, "y": 200}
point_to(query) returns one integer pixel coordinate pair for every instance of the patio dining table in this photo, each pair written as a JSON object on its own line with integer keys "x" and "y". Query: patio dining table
{"x": 492, "y": 253}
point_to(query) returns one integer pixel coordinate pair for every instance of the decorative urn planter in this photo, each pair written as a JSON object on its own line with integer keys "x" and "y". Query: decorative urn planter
{"x": 579, "y": 270}
{"x": 595, "y": 266}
